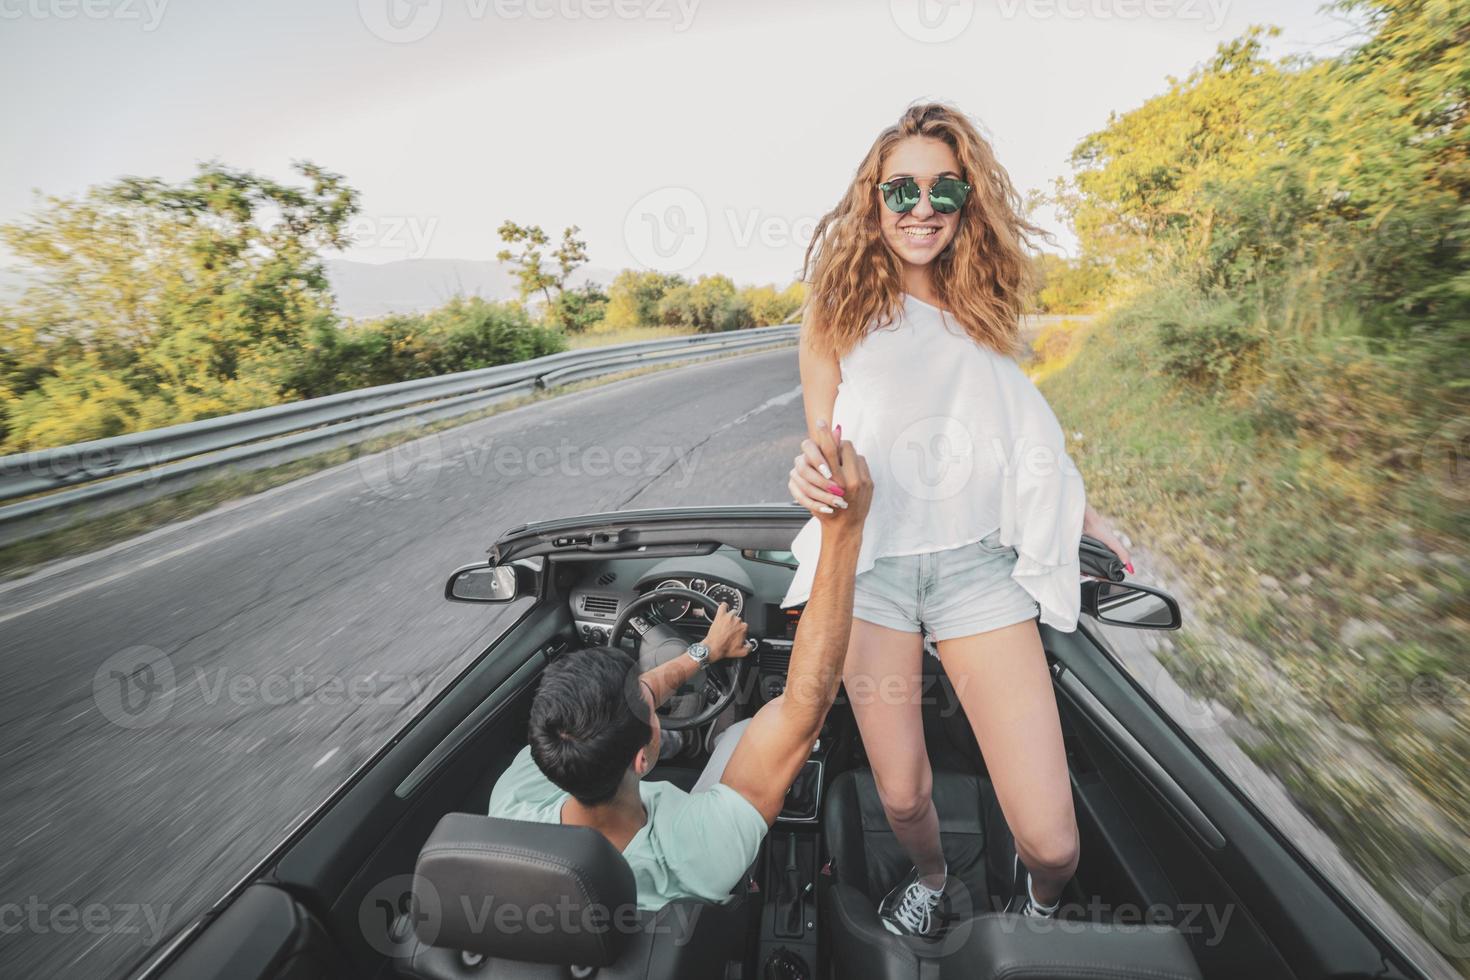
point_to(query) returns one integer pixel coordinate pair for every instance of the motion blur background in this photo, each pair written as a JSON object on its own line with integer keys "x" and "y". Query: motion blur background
{"x": 1257, "y": 302}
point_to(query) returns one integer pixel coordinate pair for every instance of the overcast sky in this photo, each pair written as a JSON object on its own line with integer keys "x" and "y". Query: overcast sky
{"x": 690, "y": 135}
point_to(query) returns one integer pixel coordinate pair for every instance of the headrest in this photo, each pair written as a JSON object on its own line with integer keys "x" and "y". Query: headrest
{"x": 517, "y": 890}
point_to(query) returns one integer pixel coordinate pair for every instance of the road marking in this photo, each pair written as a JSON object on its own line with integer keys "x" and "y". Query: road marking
{"x": 322, "y": 761}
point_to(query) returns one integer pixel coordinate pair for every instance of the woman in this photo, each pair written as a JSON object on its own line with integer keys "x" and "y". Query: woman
{"x": 918, "y": 277}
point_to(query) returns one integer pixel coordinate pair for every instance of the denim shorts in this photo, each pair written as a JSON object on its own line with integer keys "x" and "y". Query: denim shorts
{"x": 945, "y": 594}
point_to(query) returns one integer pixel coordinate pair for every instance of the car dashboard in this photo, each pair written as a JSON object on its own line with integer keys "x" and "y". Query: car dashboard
{"x": 751, "y": 586}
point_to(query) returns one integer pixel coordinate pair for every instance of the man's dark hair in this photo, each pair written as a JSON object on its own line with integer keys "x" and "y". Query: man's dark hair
{"x": 588, "y": 721}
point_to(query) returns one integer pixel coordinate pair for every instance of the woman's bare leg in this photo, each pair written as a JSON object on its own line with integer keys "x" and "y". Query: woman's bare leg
{"x": 883, "y": 678}
{"x": 1002, "y": 680}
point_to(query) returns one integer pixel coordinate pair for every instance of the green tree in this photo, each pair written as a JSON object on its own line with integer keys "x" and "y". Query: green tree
{"x": 769, "y": 306}
{"x": 532, "y": 272}
{"x": 150, "y": 301}
{"x": 582, "y": 308}
{"x": 634, "y": 296}
{"x": 709, "y": 304}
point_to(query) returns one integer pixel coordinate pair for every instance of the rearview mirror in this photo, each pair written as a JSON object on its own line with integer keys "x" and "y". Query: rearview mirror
{"x": 484, "y": 582}
{"x": 1130, "y": 604}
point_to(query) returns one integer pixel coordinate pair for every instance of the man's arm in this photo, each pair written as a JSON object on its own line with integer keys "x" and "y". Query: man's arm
{"x": 725, "y": 638}
{"x": 780, "y": 736}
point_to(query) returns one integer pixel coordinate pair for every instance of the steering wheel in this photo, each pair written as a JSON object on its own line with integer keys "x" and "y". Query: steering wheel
{"x": 659, "y": 643}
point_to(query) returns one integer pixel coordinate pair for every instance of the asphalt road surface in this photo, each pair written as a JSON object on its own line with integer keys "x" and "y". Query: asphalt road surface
{"x": 291, "y": 633}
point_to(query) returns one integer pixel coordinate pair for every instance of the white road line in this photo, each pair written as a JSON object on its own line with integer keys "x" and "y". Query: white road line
{"x": 322, "y": 761}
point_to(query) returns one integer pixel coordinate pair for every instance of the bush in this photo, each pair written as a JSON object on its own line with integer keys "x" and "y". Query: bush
{"x": 710, "y": 305}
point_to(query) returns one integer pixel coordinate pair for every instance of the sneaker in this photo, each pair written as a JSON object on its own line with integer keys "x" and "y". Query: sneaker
{"x": 913, "y": 909}
{"x": 1022, "y": 902}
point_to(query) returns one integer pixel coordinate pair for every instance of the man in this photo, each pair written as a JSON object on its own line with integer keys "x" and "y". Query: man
{"x": 594, "y": 733}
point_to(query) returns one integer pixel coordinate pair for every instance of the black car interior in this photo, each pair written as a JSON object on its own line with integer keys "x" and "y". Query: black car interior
{"x": 398, "y": 873}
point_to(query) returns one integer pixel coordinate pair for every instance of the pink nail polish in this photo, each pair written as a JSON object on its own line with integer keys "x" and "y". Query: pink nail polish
{"x": 834, "y": 488}
{"x": 1129, "y": 566}
{"x": 838, "y": 433}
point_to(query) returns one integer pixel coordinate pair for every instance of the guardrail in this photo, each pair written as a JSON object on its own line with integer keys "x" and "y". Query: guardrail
{"x": 49, "y": 479}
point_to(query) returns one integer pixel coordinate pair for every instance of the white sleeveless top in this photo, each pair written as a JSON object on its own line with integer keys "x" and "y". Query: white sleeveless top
{"x": 959, "y": 443}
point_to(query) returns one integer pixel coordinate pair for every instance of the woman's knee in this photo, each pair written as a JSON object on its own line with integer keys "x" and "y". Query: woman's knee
{"x": 1054, "y": 851}
{"x": 908, "y": 798}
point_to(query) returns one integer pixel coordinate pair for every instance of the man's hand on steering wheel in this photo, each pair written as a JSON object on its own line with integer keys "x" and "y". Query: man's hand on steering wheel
{"x": 726, "y": 636}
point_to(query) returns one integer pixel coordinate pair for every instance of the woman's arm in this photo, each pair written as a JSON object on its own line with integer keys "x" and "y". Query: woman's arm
{"x": 810, "y": 481}
{"x": 1094, "y": 526}
{"x": 820, "y": 374}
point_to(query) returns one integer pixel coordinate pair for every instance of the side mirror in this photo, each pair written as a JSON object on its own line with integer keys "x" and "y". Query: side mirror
{"x": 484, "y": 582}
{"x": 1129, "y": 604}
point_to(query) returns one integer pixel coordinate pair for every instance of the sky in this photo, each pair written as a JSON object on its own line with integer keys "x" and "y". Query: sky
{"x": 693, "y": 136}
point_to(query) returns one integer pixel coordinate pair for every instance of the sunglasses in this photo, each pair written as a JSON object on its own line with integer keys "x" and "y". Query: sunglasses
{"x": 902, "y": 194}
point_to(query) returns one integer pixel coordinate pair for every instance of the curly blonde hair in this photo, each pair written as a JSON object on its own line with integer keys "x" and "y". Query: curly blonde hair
{"x": 983, "y": 276}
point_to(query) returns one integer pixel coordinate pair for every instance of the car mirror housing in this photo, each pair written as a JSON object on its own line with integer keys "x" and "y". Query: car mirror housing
{"x": 1130, "y": 604}
{"x": 487, "y": 582}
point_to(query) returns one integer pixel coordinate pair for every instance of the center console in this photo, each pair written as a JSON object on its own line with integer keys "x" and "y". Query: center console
{"x": 792, "y": 857}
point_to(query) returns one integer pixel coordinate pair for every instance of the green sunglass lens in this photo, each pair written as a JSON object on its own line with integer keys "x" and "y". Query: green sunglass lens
{"x": 948, "y": 195}
{"x": 901, "y": 195}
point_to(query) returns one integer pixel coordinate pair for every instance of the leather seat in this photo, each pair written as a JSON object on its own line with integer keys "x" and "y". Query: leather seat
{"x": 529, "y": 901}
{"x": 867, "y": 862}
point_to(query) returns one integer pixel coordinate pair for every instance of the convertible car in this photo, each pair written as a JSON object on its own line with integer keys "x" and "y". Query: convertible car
{"x": 401, "y": 874}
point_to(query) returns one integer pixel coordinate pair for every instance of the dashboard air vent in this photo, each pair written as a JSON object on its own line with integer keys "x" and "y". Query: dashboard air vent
{"x": 600, "y": 605}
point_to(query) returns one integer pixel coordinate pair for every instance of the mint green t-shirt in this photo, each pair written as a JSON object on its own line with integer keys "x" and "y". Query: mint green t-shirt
{"x": 694, "y": 845}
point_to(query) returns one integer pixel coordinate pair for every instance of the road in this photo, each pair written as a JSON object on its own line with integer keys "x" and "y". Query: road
{"x": 301, "y": 627}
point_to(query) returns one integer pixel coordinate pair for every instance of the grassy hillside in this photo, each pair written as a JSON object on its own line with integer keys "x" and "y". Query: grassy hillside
{"x": 1325, "y": 567}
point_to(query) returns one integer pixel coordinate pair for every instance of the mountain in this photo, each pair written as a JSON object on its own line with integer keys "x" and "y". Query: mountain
{"x": 365, "y": 289}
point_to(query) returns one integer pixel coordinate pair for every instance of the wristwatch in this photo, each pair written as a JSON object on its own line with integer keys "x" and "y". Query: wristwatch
{"x": 700, "y": 653}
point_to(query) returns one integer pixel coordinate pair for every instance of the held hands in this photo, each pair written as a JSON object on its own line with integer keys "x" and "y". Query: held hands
{"x": 726, "y": 636}
{"x": 831, "y": 480}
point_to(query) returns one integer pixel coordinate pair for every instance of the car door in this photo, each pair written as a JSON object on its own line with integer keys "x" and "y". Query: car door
{"x": 1170, "y": 837}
